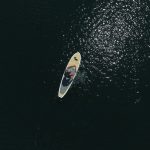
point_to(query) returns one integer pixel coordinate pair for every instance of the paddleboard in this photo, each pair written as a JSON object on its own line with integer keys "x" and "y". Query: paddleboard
{"x": 69, "y": 74}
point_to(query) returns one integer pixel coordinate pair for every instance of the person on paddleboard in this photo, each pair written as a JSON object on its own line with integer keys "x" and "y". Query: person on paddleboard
{"x": 68, "y": 76}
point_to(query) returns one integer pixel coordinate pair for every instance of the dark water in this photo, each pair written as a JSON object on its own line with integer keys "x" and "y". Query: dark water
{"x": 108, "y": 104}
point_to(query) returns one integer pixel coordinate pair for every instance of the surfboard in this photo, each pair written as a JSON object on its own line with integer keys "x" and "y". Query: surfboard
{"x": 69, "y": 74}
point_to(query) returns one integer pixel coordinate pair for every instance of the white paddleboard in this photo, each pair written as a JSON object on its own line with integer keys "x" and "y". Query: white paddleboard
{"x": 69, "y": 74}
